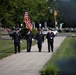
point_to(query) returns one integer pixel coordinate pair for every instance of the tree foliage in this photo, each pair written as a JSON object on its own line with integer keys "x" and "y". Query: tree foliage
{"x": 12, "y": 11}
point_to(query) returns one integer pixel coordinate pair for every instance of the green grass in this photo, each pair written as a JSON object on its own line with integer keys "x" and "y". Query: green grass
{"x": 7, "y": 47}
{"x": 67, "y": 50}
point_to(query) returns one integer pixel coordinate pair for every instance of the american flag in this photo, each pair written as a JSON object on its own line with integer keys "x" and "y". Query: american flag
{"x": 27, "y": 21}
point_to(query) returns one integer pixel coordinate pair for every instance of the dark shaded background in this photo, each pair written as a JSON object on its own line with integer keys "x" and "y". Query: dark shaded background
{"x": 67, "y": 9}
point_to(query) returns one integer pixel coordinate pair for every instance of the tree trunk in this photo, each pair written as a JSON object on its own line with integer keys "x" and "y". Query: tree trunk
{"x": 0, "y": 30}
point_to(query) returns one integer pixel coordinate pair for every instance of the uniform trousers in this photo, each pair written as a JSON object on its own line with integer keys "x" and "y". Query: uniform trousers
{"x": 29, "y": 43}
{"x": 39, "y": 46}
{"x": 17, "y": 47}
{"x": 50, "y": 44}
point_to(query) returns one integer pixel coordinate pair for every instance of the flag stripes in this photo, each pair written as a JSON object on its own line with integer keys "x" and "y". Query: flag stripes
{"x": 27, "y": 21}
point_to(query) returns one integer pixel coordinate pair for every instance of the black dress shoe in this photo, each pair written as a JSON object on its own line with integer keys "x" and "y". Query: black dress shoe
{"x": 39, "y": 50}
{"x": 52, "y": 50}
{"x": 28, "y": 51}
{"x": 15, "y": 52}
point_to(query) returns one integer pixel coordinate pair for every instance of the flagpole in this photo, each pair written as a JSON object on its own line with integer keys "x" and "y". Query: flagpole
{"x": 55, "y": 14}
{"x": 55, "y": 21}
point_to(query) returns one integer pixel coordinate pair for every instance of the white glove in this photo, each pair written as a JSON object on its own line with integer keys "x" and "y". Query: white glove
{"x": 32, "y": 39}
{"x": 12, "y": 41}
{"x": 20, "y": 41}
{"x": 36, "y": 41}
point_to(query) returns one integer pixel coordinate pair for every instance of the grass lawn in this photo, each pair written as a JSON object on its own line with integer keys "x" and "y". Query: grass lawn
{"x": 64, "y": 59}
{"x": 7, "y": 47}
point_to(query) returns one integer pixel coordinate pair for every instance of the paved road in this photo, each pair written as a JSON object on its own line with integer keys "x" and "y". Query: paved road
{"x": 28, "y": 63}
{"x": 66, "y": 34}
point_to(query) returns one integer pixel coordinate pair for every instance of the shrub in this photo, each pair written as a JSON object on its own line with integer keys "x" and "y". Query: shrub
{"x": 34, "y": 32}
{"x": 49, "y": 71}
{"x": 24, "y": 32}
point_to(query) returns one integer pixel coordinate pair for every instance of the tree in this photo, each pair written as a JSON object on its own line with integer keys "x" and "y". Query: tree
{"x": 0, "y": 30}
{"x": 12, "y": 11}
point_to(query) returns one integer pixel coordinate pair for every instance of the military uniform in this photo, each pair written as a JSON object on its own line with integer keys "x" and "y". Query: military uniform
{"x": 29, "y": 40}
{"x": 16, "y": 37}
{"x": 50, "y": 40}
{"x": 39, "y": 39}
